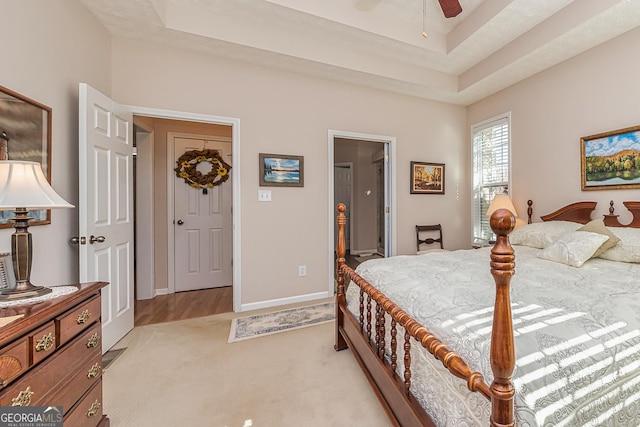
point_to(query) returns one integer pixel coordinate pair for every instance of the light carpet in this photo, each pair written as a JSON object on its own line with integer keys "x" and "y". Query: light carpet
{"x": 263, "y": 324}
{"x": 184, "y": 373}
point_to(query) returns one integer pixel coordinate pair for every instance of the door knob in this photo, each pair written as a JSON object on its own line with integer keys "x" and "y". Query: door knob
{"x": 93, "y": 239}
{"x": 180, "y": 222}
{"x": 78, "y": 240}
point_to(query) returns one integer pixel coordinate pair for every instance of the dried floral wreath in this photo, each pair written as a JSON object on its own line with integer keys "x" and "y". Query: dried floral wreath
{"x": 188, "y": 169}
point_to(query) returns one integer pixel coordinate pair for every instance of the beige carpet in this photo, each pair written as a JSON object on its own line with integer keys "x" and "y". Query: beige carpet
{"x": 185, "y": 373}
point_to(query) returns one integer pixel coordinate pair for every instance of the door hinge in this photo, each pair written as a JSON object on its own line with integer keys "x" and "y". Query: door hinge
{"x": 386, "y": 209}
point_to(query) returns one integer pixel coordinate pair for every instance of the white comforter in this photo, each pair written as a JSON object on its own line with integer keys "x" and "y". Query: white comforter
{"x": 577, "y": 334}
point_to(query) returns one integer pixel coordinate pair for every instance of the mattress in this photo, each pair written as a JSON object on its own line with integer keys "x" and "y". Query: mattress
{"x": 577, "y": 334}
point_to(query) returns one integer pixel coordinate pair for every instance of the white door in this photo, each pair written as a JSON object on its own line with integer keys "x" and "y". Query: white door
{"x": 106, "y": 208}
{"x": 202, "y": 224}
{"x": 342, "y": 194}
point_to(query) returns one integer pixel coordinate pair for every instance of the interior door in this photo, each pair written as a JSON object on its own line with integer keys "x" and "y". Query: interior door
{"x": 202, "y": 224}
{"x": 106, "y": 208}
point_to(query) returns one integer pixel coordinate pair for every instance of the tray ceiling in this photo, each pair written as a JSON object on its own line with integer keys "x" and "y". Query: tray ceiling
{"x": 491, "y": 45}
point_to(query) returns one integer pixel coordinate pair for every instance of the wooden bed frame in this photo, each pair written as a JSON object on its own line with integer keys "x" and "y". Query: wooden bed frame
{"x": 366, "y": 338}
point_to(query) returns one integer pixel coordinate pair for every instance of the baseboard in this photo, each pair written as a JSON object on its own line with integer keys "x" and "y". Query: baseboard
{"x": 284, "y": 301}
{"x": 364, "y": 252}
{"x": 162, "y": 291}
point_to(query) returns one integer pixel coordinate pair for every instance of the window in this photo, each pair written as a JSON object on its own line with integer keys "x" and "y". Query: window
{"x": 491, "y": 166}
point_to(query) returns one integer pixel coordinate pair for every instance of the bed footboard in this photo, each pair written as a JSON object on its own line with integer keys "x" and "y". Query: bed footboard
{"x": 366, "y": 336}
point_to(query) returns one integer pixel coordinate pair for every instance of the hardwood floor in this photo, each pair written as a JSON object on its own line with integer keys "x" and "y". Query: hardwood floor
{"x": 183, "y": 305}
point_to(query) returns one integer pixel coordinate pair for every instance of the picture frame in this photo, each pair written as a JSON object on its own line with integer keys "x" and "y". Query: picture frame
{"x": 611, "y": 160}
{"x": 427, "y": 178}
{"x": 281, "y": 170}
{"x": 25, "y": 128}
{"x": 7, "y": 275}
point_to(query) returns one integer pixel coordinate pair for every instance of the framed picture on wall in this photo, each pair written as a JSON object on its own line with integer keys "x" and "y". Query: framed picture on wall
{"x": 611, "y": 160}
{"x": 25, "y": 134}
{"x": 280, "y": 170}
{"x": 427, "y": 178}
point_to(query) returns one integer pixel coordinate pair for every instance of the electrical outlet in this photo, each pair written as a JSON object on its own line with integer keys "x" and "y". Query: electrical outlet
{"x": 302, "y": 270}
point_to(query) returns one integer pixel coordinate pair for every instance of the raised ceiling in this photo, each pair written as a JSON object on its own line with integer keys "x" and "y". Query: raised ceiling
{"x": 491, "y": 45}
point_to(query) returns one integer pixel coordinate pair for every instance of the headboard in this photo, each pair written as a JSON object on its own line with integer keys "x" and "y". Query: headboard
{"x": 581, "y": 212}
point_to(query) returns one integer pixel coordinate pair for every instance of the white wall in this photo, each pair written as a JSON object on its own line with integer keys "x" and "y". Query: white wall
{"x": 595, "y": 92}
{"x": 48, "y": 47}
{"x": 286, "y": 113}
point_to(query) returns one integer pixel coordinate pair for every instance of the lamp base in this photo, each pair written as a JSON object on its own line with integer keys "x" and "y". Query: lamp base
{"x": 18, "y": 294}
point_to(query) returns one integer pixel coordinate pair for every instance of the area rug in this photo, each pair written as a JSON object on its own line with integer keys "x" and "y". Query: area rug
{"x": 259, "y": 325}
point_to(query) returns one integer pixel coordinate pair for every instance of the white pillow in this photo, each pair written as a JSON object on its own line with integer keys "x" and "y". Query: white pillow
{"x": 597, "y": 226}
{"x": 628, "y": 248}
{"x": 574, "y": 248}
{"x": 541, "y": 234}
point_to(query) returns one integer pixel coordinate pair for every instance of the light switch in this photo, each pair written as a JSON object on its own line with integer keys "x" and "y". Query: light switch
{"x": 264, "y": 195}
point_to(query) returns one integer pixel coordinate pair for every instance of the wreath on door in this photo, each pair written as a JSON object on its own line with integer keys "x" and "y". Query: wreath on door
{"x": 188, "y": 169}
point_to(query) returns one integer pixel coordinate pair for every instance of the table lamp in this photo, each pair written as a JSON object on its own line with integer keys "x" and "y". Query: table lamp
{"x": 501, "y": 201}
{"x": 24, "y": 187}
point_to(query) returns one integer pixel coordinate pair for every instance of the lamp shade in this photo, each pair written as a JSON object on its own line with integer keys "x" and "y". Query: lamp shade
{"x": 23, "y": 185}
{"x": 501, "y": 201}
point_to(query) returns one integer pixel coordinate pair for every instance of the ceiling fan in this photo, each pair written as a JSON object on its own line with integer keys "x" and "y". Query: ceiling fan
{"x": 450, "y": 8}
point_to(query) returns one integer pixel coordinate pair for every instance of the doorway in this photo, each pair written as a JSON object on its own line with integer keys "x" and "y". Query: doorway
{"x": 155, "y": 203}
{"x": 371, "y": 160}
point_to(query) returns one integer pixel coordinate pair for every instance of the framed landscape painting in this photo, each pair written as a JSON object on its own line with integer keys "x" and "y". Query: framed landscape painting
{"x": 281, "y": 170}
{"x": 25, "y": 132}
{"x": 427, "y": 178}
{"x": 611, "y": 160}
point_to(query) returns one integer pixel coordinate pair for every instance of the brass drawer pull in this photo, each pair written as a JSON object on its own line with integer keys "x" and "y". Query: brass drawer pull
{"x": 83, "y": 317}
{"x": 23, "y": 398}
{"x": 93, "y": 341}
{"x": 94, "y": 371}
{"x": 46, "y": 342}
{"x": 95, "y": 407}
{"x": 3, "y": 383}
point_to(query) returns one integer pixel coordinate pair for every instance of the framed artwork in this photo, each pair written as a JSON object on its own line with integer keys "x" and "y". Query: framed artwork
{"x": 427, "y": 178}
{"x": 611, "y": 160}
{"x": 7, "y": 277}
{"x": 25, "y": 133}
{"x": 279, "y": 170}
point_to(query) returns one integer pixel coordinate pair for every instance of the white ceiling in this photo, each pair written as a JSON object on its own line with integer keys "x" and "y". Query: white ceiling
{"x": 492, "y": 44}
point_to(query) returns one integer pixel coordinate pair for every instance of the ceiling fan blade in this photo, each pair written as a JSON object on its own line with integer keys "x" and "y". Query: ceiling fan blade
{"x": 450, "y": 8}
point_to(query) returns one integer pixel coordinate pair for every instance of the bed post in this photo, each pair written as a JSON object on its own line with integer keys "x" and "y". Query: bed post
{"x": 502, "y": 341}
{"x": 341, "y": 250}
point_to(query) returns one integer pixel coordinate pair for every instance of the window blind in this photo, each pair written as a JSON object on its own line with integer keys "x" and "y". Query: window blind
{"x": 490, "y": 146}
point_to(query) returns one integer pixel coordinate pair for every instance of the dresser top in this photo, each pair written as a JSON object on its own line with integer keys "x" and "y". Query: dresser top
{"x": 39, "y": 312}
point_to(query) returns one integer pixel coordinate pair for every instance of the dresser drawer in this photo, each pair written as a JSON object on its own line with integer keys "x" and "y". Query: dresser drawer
{"x": 77, "y": 319}
{"x": 14, "y": 360}
{"x": 42, "y": 342}
{"x": 66, "y": 394}
{"x": 88, "y": 412}
{"x": 32, "y": 390}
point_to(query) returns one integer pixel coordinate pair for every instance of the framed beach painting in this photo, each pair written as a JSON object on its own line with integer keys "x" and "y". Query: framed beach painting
{"x": 279, "y": 170}
{"x": 427, "y": 178}
{"x": 611, "y": 160}
{"x": 25, "y": 134}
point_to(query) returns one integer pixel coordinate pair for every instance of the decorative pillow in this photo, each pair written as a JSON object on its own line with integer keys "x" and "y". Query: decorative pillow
{"x": 541, "y": 234}
{"x": 574, "y": 248}
{"x": 628, "y": 248}
{"x": 597, "y": 226}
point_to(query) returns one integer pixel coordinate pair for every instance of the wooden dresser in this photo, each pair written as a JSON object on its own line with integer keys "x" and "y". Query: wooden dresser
{"x": 52, "y": 356}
